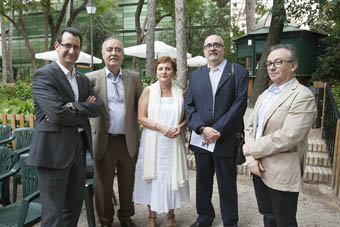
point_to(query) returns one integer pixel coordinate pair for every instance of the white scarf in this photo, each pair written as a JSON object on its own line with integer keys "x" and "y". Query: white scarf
{"x": 179, "y": 172}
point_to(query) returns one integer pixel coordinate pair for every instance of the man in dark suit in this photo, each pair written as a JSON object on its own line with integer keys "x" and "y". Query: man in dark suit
{"x": 115, "y": 134}
{"x": 213, "y": 110}
{"x": 63, "y": 100}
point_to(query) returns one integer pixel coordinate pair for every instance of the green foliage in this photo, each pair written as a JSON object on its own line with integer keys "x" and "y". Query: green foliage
{"x": 323, "y": 17}
{"x": 16, "y": 98}
{"x": 146, "y": 81}
{"x": 104, "y": 25}
{"x": 336, "y": 94}
{"x": 205, "y": 18}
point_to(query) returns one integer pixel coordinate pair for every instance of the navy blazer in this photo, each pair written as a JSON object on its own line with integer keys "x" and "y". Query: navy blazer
{"x": 56, "y": 127}
{"x": 229, "y": 107}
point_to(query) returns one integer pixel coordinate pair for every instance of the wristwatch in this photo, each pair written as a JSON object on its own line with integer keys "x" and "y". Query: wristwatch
{"x": 69, "y": 105}
{"x": 200, "y": 129}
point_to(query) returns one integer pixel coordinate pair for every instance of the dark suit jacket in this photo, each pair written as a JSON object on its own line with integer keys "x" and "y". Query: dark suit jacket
{"x": 229, "y": 108}
{"x": 56, "y": 127}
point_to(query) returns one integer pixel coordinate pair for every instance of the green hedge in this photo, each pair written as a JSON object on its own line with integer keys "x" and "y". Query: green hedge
{"x": 16, "y": 98}
{"x": 336, "y": 94}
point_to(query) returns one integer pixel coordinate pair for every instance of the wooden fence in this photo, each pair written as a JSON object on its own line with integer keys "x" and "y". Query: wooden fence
{"x": 18, "y": 120}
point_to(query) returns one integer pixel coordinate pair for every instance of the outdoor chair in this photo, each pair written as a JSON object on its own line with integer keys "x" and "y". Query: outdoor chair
{"x": 5, "y": 133}
{"x": 7, "y": 160}
{"x": 88, "y": 192}
{"x": 27, "y": 212}
{"x": 23, "y": 139}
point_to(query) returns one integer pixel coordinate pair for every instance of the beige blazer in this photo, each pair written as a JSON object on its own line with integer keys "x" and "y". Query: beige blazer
{"x": 283, "y": 145}
{"x": 100, "y": 125}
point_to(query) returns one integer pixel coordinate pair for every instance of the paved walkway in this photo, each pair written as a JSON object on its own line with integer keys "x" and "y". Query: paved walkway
{"x": 317, "y": 207}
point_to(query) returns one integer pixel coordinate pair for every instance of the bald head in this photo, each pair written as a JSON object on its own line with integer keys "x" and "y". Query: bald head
{"x": 214, "y": 50}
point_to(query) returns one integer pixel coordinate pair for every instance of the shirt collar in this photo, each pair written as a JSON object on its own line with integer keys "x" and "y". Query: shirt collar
{"x": 277, "y": 90}
{"x": 110, "y": 74}
{"x": 65, "y": 70}
{"x": 220, "y": 66}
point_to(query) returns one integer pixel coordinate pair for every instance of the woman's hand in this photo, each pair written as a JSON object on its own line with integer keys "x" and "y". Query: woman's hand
{"x": 176, "y": 131}
{"x": 166, "y": 131}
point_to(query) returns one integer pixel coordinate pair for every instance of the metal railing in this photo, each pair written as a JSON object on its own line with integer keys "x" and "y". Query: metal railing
{"x": 330, "y": 119}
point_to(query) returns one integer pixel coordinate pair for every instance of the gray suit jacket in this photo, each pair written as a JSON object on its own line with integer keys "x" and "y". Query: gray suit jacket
{"x": 132, "y": 90}
{"x": 56, "y": 131}
{"x": 283, "y": 145}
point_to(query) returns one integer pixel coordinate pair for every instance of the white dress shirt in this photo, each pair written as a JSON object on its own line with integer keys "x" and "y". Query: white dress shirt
{"x": 215, "y": 76}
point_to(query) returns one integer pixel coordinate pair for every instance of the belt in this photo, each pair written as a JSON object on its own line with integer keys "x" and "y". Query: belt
{"x": 117, "y": 136}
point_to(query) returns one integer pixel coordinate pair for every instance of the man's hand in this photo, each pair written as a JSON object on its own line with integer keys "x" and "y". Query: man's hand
{"x": 91, "y": 99}
{"x": 246, "y": 150}
{"x": 256, "y": 167}
{"x": 210, "y": 134}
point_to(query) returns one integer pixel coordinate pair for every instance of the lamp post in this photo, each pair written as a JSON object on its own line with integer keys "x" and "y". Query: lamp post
{"x": 91, "y": 10}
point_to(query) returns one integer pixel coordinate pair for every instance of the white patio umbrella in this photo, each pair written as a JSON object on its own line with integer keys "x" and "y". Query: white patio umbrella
{"x": 161, "y": 49}
{"x": 196, "y": 61}
{"x": 83, "y": 57}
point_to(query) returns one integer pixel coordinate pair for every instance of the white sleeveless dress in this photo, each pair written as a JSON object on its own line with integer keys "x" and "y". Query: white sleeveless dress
{"x": 157, "y": 193}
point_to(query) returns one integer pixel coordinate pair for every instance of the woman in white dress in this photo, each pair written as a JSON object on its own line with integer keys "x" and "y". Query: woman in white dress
{"x": 161, "y": 179}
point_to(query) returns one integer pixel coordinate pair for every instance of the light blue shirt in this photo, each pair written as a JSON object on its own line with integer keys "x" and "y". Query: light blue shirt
{"x": 215, "y": 76}
{"x": 115, "y": 100}
{"x": 273, "y": 93}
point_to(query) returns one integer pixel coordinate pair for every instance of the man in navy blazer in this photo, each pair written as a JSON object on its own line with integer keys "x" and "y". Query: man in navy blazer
{"x": 63, "y": 101}
{"x": 213, "y": 110}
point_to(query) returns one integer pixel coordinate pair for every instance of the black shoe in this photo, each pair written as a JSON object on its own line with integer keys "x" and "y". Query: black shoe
{"x": 197, "y": 224}
{"x": 128, "y": 223}
{"x": 108, "y": 225}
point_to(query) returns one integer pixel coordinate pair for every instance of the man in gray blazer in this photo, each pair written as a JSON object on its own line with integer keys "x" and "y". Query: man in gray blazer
{"x": 276, "y": 139}
{"x": 115, "y": 134}
{"x": 63, "y": 101}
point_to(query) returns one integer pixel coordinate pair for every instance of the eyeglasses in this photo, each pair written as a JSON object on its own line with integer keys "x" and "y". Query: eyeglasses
{"x": 214, "y": 45}
{"x": 277, "y": 64}
{"x": 116, "y": 49}
{"x": 69, "y": 46}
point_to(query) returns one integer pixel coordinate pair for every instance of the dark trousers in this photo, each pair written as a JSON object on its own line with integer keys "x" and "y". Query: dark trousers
{"x": 277, "y": 207}
{"x": 116, "y": 155}
{"x": 206, "y": 165}
{"x": 61, "y": 191}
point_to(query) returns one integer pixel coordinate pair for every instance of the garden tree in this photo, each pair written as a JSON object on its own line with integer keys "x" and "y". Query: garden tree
{"x": 181, "y": 43}
{"x": 51, "y": 13}
{"x": 104, "y": 24}
{"x": 150, "y": 38}
{"x": 250, "y": 15}
{"x": 140, "y": 30}
{"x": 4, "y": 50}
{"x": 20, "y": 6}
{"x": 204, "y": 17}
{"x": 274, "y": 36}
{"x": 322, "y": 16}
{"x": 250, "y": 22}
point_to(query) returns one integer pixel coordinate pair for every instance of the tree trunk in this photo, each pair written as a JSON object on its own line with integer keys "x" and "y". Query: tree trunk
{"x": 139, "y": 31}
{"x": 46, "y": 35}
{"x": 23, "y": 33}
{"x": 181, "y": 46}
{"x": 150, "y": 39}
{"x": 3, "y": 50}
{"x": 250, "y": 22}
{"x": 10, "y": 77}
{"x": 274, "y": 37}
